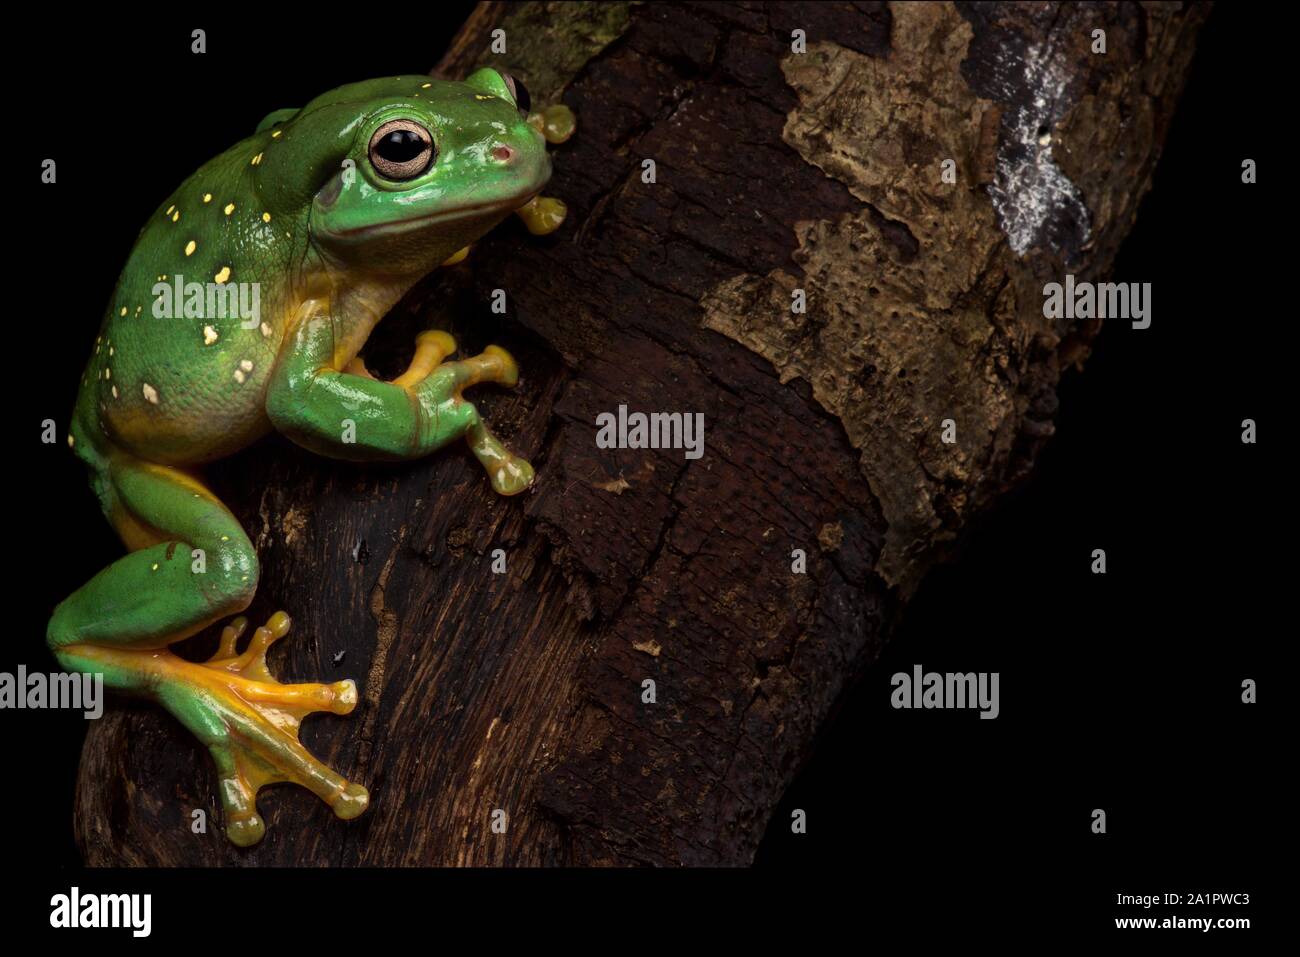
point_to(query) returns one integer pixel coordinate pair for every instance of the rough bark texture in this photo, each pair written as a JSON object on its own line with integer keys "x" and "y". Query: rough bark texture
{"x": 775, "y": 171}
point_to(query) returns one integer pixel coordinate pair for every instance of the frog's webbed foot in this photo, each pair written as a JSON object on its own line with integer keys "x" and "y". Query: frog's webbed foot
{"x": 544, "y": 214}
{"x": 508, "y": 473}
{"x": 249, "y": 721}
{"x": 555, "y": 122}
{"x": 441, "y": 384}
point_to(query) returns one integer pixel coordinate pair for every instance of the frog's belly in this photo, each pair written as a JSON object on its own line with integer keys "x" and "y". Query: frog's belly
{"x": 181, "y": 393}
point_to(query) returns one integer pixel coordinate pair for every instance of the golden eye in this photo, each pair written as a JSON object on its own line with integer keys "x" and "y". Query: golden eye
{"x": 401, "y": 149}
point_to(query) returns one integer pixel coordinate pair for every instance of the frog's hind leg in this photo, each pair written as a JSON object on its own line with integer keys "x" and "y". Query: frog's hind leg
{"x": 192, "y": 565}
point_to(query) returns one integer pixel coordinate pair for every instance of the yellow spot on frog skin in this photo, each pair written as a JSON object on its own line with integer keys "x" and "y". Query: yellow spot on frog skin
{"x": 190, "y": 247}
{"x": 246, "y": 365}
{"x": 230, "y": 208}
{"x": 123, "y": 312}
{"x": 480, "y": 96}
{"x": 115, "y": 392}
{"x": 155, "y": 566}
{"x": 425, "y": 86}
{"x": 176, "y": 215}
{"x": 257, "y": 159}
{"x": 108, "y": 374}
{"x": 209, "y": 335}
{"x": 266, "y": 328}
{"x": 239, "y": 376}
{"x": 150, "y": 393}
{"x": 169, "y": 210}
{"x": 110, "y": 350}
{"x": 207, "y": 197}
{"x": 266, "y": 217}
{"x": 137, "y": 309}
{"x": 223, "y": 276}
{"x": 225, "y": 538}
{"x": 276, "y": 134}
{"x": 71, "y": 440}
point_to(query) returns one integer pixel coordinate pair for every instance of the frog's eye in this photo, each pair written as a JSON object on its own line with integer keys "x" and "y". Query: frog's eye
{"x": 519, "y": 92}
{"x": 401, "y": 149}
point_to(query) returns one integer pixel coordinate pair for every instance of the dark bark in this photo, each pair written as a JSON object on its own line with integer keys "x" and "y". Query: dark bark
{"x": 775, "y": 171}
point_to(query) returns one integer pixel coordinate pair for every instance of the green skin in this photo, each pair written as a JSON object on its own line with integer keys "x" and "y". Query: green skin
{"x": 333, "y": 245}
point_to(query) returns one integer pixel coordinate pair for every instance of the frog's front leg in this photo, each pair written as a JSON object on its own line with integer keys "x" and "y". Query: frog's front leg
{"x": 352, "y": 416}
{"x": 120, "y": 623}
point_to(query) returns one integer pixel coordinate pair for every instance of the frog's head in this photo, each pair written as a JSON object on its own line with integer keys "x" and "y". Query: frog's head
{"x": 408, "y": 170}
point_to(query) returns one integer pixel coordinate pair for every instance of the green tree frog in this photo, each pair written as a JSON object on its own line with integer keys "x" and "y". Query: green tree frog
{"x": 292, "y": 245}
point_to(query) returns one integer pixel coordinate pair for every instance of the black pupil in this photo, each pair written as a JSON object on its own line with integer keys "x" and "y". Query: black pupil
{"x": 400, "y": 146}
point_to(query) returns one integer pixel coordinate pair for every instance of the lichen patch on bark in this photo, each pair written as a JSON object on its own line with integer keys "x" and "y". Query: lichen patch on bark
{"x": 901, "y": 326}
{"x": 1030, "y": 193}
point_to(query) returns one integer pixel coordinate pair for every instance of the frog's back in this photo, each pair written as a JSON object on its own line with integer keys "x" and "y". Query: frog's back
{"x": 179, "y": 369}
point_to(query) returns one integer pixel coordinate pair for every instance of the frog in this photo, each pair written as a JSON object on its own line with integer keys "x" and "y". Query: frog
{"x": 292, "y": 245}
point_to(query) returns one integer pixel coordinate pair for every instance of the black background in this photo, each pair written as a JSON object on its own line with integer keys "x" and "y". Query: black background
{"x": 1119, "y": 691}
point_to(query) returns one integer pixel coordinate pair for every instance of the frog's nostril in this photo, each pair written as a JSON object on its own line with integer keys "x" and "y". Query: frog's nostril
{"x": 503, "y": 153}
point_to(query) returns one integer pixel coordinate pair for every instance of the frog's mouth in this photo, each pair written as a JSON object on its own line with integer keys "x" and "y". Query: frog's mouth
{"x": 498, "y": 208}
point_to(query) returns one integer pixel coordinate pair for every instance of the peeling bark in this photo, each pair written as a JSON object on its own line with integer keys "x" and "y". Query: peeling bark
{"x": 776, "y": 171}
